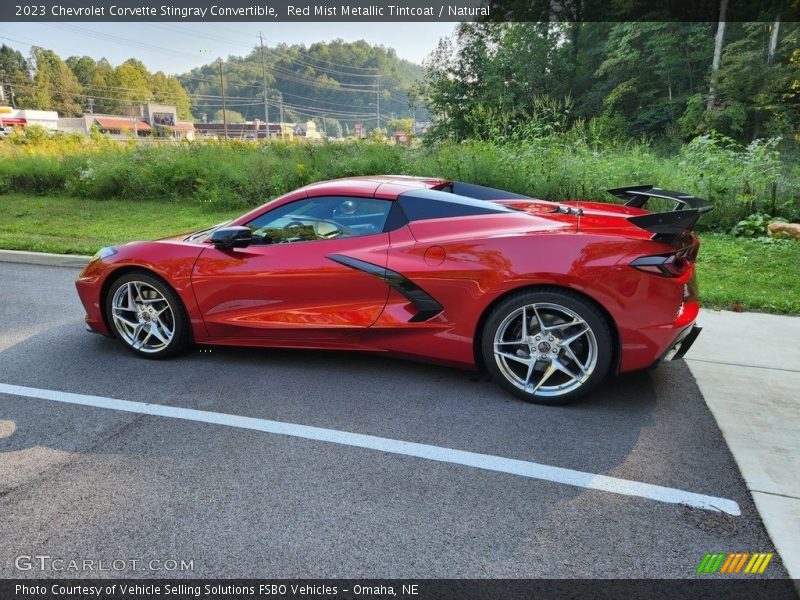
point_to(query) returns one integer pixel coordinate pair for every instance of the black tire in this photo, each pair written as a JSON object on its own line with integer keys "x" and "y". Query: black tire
{"x": 176, "y": 320}
{"x": 593, "y": 349}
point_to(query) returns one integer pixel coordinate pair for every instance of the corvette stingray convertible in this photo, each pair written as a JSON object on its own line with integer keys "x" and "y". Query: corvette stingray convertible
{"x": 549, "y": 297}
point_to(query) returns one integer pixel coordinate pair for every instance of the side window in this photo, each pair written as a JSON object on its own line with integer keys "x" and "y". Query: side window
{"x": 321, "y": 218}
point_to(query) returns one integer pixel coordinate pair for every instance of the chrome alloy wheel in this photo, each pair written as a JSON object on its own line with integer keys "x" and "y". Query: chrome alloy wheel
{"x": 545, "y": 349}
{"x": 142, "y": 316}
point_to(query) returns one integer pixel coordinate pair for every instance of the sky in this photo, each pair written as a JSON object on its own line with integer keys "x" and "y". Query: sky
{"x": 178, "y": 47}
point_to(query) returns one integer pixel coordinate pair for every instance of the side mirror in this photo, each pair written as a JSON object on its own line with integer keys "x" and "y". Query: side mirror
{"x": 231, "y": 237}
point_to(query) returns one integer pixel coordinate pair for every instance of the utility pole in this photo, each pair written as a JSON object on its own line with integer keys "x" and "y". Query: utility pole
{"x": 378, "y": 101}
{"x": 2, "y": 93}
{"x": 324, "y": 127}
{"x": 91, "y": 106}
{"x": 280, "y": 95}
{"x": 264, "y": 73}
{"x": 224, "y": 110}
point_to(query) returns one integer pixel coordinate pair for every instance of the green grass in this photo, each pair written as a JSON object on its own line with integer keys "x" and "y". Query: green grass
{"x": 734, "y": 273}
{"x": 66, "y": 225}
{"x": 749, "y": 274}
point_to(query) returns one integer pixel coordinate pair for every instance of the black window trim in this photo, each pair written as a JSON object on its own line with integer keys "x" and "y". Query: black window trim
{"x": 461, "y": 206}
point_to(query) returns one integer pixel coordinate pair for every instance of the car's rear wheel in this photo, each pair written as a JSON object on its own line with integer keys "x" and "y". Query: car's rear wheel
{"x": 547, "y": 346}
{"x": 147, "y": 316}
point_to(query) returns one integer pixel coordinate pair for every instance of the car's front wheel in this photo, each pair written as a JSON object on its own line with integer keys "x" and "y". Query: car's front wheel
{"x": 147, "y": 316}
{"x": 547, "y": 346}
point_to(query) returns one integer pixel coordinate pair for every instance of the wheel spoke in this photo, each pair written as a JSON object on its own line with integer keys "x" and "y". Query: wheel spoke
{"x": 531, "y": 365}
{"x": 561, "y": 326}
{"x": 141, "y": 343}
{"x": 136, "y": 331}
{"x": 152, "y": 300}
{"x": 557, "y": 364}
{"x": 138, "y": 291}
{"x": 568, "y": 351}
{"x": 575, "y": 336}
{"x": 154, "y": 331}
{"x": 511, "y": 343}
{"x": 123, "y": 308}
{"x": 524, "y": 322}
{"x": 514, "y": 357}
{"x": 542, "y": 326}
{"x": 545, "y": 376}
{"x": 122, "y": 319}
{"x": 165, "y": 329}
{"x": 131, "y": 299}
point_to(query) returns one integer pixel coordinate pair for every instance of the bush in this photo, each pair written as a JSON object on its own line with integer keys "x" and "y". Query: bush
{"x": 753, "y": 226}
{"x": 551, "y": 162}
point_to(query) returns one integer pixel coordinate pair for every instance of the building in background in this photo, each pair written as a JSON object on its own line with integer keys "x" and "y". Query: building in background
{"x": 163, "y": 118}
{"x": 141, "y": 121}
{"x": 251, "y": 130}
{"x": 23, "y": 117}
{"x": 116, "y": 126}
{"x": 81, "y": 125}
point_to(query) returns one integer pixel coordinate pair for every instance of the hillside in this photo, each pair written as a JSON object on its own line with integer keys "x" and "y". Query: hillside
{"x": 338, "y": 80}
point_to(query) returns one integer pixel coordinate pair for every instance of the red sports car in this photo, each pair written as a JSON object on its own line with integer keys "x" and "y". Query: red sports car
{"x": 550, "y": 297}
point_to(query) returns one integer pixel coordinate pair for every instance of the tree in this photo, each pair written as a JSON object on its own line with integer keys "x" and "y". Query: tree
{"x": 336, "y": 78}
{"x": 14, "y": 73}
{"x": 55, "y": 87}
{"x": 719, "y": 39}
{"x": 83, "y": 67}
{"x": 100, "y": 88}
{"x": 331, "y": 128}
{"x": 650, "y": 71}
{"x": 751, "y": 88}
{"x": 232, "y": 116}
{"x": 405, "y": 125}
{"x": 168, "y": 90}
{"x": 131, "y": 83}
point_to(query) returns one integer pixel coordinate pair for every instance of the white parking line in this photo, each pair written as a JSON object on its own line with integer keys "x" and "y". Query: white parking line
{"x": 447, "y": 455}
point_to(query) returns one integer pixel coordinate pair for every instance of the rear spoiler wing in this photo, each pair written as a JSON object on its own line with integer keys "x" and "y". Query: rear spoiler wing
{"x": 683, "y": 217}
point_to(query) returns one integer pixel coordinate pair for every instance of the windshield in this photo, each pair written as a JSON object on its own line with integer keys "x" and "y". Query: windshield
{"x": 202, "y": 235}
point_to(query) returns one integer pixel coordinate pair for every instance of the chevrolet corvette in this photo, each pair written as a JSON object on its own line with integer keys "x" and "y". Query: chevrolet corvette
{"x": 548, "y": 297}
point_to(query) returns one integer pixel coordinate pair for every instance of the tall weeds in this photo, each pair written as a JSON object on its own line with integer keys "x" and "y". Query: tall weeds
{"x": 567, "y": 164}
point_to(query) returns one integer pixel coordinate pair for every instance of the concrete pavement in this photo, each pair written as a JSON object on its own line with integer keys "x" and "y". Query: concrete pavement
{"x": 747, "y": 366}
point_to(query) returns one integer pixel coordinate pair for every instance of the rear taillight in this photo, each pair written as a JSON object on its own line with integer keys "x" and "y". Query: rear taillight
{"x": 666, "y": 265}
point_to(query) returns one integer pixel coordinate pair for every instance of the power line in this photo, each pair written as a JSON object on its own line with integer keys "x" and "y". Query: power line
{"x": 295, "y": 108}
{"x": 281, "y": 73}
{"x": 312, "y": 57}
{"x": 159, "y": 49}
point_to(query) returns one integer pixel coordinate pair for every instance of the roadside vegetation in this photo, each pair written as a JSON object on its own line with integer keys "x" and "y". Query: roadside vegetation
{"x": 575, "y": 163}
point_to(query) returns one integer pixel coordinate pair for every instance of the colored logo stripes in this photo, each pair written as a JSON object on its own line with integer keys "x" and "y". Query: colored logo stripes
{"x": 731, "y": 563}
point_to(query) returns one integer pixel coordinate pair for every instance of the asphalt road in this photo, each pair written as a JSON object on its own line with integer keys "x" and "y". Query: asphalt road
{"x": 81, "y": 482}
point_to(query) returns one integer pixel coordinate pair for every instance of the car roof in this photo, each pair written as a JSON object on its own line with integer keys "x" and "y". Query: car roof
{"x": 368, "y": 185}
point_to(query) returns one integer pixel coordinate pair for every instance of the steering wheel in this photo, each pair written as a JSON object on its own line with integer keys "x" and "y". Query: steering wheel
{"x": 339, "y": 229}
{"x": 293, "y": 224}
